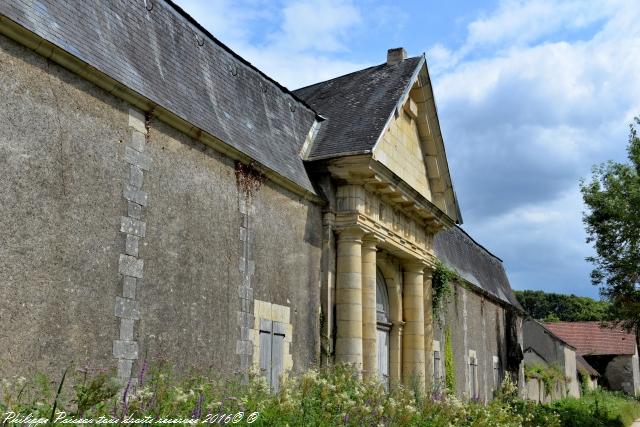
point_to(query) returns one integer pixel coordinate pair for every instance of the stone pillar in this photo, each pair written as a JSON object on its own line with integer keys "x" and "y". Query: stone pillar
{"x": 369, "y": 312}
{"x": 413, "y": 366}
{"x": 349, "y": 297}
{"x": 428, "y": 328}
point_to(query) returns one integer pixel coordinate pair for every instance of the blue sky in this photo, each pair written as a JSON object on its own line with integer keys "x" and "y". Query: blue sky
{"x": 530, "y": 95}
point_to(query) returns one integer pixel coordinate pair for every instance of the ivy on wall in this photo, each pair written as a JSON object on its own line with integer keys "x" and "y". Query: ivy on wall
{"x": 449, "y": 365}
{"x": 441, "y": 289}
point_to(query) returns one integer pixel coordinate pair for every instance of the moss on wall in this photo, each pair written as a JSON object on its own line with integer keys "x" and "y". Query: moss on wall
{"x": 449, "y": 365}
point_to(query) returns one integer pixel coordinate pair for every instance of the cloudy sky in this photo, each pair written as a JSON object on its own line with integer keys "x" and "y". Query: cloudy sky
{"x": 530, "y": 95}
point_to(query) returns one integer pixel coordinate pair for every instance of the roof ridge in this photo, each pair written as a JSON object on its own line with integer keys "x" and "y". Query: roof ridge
{"x": 226, "y": 48}
{"x": 349, "y": 74}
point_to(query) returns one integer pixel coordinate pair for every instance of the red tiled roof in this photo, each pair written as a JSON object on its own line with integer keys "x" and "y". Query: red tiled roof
{"x": 591, "y": 338}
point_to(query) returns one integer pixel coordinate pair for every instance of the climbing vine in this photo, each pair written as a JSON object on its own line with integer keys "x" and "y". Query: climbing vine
{"x": 248, "y": 178}
{"x": 583, "y": 377}
{"x": 441, "y": 289}
{"x": 449, "y": 365}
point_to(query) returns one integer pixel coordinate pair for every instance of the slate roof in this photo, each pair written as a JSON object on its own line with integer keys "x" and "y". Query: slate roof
{"x": 166, "y": 57}
{"x": 457, "y": 250}
{"x": 590, "y": 338}
{"x": 357, "y": 106}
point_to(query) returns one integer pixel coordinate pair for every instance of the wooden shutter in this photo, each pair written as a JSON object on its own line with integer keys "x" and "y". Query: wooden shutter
{"x": 383, "y": 355}
{"x": 277, "y": 354}
{"x": 272, "y": 352}
{"x": 265, "y": 349}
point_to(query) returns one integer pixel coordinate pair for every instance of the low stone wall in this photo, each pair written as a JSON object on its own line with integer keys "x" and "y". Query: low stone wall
{"x": 535, "y": 390}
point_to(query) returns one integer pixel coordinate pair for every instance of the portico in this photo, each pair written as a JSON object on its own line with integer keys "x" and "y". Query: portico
{"x": 383, "y": 243}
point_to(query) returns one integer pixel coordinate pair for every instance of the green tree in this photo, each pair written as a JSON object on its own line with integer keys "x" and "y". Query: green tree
{"x": 612, "y": 221}
{"x": 551, "y": 307}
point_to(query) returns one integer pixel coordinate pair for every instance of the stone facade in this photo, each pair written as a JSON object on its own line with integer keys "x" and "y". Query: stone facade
{"x": 127, "y": 242}
{"x": 544, "y": 348}
{"x": 143, "y": 227}
{"x": 476, "y": 325}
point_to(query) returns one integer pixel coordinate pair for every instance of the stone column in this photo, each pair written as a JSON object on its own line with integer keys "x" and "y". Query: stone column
{"x": 349, "y": 297}
{"x": 369, "y": 312}
{"x": 413, "y": 366}
{"x": 428, "y": 328}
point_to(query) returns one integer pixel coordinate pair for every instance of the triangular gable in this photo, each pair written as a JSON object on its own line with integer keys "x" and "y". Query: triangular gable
{"x": 411, "y": 144}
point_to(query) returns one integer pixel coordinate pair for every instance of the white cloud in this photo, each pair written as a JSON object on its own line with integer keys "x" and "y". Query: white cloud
{"x": 317, "y": 25}
{"x": 517, "y": 22}
{"x": 294, "y": 42}
{"x": 527, "y": 118}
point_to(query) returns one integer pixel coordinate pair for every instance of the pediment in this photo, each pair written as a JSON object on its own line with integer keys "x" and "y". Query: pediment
{"x": 411, "y": 146}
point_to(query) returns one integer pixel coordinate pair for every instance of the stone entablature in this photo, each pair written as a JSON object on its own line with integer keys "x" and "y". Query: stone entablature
{"x": 358, "y": 207}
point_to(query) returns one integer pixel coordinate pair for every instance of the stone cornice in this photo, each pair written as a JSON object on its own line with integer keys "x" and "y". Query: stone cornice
{"x": 387, "y": 238}
{"x": 376, "y": 178}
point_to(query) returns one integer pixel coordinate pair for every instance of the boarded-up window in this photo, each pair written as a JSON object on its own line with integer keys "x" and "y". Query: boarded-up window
{"x": 496, "y": 372}
{"x": 271, "y": 352}
{"x": 383, "y": 327}
{"x": 436, "y": 367}
{"x": 383, "y": 355}
{"x": 473, "y": 375}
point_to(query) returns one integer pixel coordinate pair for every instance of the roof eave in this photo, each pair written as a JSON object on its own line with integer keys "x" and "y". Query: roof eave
{"x": 57, "y": 54}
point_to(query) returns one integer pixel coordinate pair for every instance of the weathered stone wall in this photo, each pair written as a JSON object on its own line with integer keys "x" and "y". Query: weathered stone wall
{"x": 475, "y": 324}
{"x": 541, "y": 340}
{"x": 535, "y": 390}
{"x": 542, "y": 348}
{"x": 205, "y": 250}
{"x": 620, "y": 374}
{"x": 571, "y": 372}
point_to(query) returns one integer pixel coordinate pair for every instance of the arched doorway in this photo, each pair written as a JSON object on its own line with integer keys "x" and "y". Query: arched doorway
{"x": 383, "y": 327}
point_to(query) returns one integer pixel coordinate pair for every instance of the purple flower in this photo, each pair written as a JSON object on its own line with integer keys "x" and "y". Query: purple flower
{"x": 143, "y": 370}
{"x": 197, "y": 411}
{"x": 125, "y": 400}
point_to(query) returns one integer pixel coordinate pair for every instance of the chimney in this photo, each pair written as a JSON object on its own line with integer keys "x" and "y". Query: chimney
{"x": 396, "y": 56}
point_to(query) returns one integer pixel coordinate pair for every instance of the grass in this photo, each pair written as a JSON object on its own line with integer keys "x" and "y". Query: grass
{"x": 597, "y": 408}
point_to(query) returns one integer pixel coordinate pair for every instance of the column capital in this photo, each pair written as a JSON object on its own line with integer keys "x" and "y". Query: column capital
{"x": 371, "y": 241}
{"x": 414, "y": 265}
{"x": 428, "y": 272}
{"x": 350, "y": 233}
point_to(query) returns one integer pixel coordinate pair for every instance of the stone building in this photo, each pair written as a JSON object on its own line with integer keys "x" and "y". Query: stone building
{"x": 482, "y": 319}
{"x": 544, "y": 349}
{"x": 587, "y": 374}
{"x": 610, "y": 350}
{"x": 163, "y": 198}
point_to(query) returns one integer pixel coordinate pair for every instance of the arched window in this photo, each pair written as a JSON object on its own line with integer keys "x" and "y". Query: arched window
{"x": 384, "y": 325}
